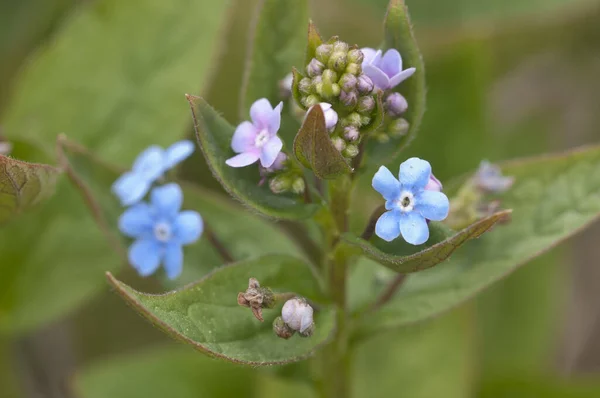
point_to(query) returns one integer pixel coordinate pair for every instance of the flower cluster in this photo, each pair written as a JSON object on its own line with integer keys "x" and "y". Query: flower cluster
{"x": 160, "y": 228}
{"x": 257, "y": 141}
{"x": 411, "y": 199}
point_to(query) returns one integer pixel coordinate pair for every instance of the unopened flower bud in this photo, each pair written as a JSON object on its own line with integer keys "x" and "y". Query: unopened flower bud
{"x": 335, "y": 90}
{"x": 349, "y": 99}
{"x": 338, "y": 61}
{"x": 331, "y": 116}
{"x": 297, "y": 314}
{"x": 278, "y": 164}
{"x": 281, "y": 329}
{"x": 353, "y": 69}
{"x": 298, "y": 186}
{"x": 305, "y": 85}
{"x": 279, "y": 184}
{"x": 355, "y": 56}
{"x": 314, "y": 67}
{"x": 351, "y": 133}
{"x": 365, "y": 84}
{"x": 433, "y": 184}
{"x": 398, "y": 127}
{"x": 340, "y": 46}
{"x": 256, "y": 298}
{"x": 329, "y": 76}
{"x": 396, "y": 104}
{"x": 339, "y": 143}
{"x": 366, "y": 104}
{"x": 310, "y": 100}
{"x": 365, "y": 120}
{"x": 489, "y": 178}
{"x": 348, "y": 82}
{"x": 352, "y": 119}
{"x": 323, "y": 52}
{"x": 351, "y": 151}
{"x": 285, "y": 86}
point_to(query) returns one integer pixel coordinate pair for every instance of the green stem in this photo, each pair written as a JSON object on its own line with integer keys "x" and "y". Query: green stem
{"x": 336, "y": 358}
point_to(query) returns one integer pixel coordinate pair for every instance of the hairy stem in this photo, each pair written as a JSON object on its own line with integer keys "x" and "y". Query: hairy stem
{"x": 217, "y": 245}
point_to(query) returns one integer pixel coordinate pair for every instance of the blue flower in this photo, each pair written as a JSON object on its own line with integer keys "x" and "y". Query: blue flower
{"x": 149, "y": 166}
{"x": 408, "y": 203}
{"x": 160, "y": 230}
{"x": 489, "y": 178}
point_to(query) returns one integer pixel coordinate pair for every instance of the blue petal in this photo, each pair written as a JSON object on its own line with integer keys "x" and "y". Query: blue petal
{"x": 432, "y": 205}
{"x": 137, "y": 221}
{"x": 130, "y": 188}
{"x": 244, "y": 137}
{"x": 173, "y": 260}
{"x": 414, "y": 228}
{"x": 167, "y": 200}
{"x": 188, "y": 227}
{"x": 150, "y": 164}
{"x": 260, "y": 113}
{"x": 388, "y": 225}
{"x": 386, "y": 184}
{"x": 177, "y": 153}
{"x": 144, "y": 255}
{"x": 414, "y": 174}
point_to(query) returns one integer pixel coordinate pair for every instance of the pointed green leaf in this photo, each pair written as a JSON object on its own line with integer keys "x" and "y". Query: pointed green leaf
{"x": 214, "y": 135}
{"x": 229, "y": 229}
{"x": 553, "y": 198}
{"x": 399, "y": 34}
{"x": 23, "y": 185}
{"x": 405, "y": 258}
{"x": 206, "y": 315}
{"x": 314, "y": 41}
{"x": 115, "y": 75}
{"x": 314, "y": 149}
{"x": 162, "y": 372}
{"x": 277, "y": 44}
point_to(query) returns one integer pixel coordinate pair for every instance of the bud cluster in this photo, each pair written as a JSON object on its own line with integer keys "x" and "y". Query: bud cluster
{"x": 335, "y": 79}
{"x": 282, "y": 177}
{"x": 296, "y": 316}
{"x": 394, "y": 125}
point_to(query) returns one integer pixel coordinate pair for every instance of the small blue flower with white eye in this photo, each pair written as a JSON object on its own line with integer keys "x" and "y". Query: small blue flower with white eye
{"x": 408, "y": 203}
{"x": 149, "y": 166}
{"x": 160, "y": 230}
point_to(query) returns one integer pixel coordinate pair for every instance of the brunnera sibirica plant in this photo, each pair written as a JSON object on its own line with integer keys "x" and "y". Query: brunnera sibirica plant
{"x": 274, "y": 281}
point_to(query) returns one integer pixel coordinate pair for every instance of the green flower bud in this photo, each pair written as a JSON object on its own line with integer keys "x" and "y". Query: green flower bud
{"x": 281, "y": 329}
{"x": 356, "y": 56}
{"x": 323, "y": 52}
{"x": 329, "y": 76}
{"x": 365, "y": 120}
{"x": 335, "y": 90}
{"x": 398, "y": 127}
{"x": 305, "y": 85}
{"x": 351, "y": 151}
{"x": 354, "y": 69}
{"x": 352, "y": 119}
{"x": 339, "y": 143}
{"x": 366, "y": 104}
{"x": 340, "y": 46}
{"x": 298, "y": 186}
{"x": 280, "y": 184}
{"x": 310, "y": 100}
{"x": 348, "y": 82}
{"x": 338, "y": 61}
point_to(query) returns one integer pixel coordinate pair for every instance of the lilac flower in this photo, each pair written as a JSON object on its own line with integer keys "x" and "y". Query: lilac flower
{"x": 385, "y": 70}
{"x": 160, "y": 230}
{"x": 331, "y": 116}
{"x": 258, "y": 140}
{"x": 489, "y": 178}
{"x": 408, "y": 203}
{"x": 149, "y": 166}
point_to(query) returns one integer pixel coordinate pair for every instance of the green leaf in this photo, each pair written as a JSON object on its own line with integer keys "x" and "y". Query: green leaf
{"x": 441, "y": 245}
{"x": 24, "y": 185}
{"x": 163, "y": 372}
{"x": 206, "y": 315}
{"x": 314, "y": 149}
{"x": 214, "y": 135}
{"x": 115, "y": 75}
{"x": 276, "y": 46}
{"x": 314, "y": 41}
{"x": 399, "y": 35}
{"x": 229, "y": 229}
{"x": 553, "y": 198}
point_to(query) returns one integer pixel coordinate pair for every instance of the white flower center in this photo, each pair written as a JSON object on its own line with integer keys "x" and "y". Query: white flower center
{"x": 261, "y": 139}
{"x": 162, "y": 232}
{"x": 406, "y": 201}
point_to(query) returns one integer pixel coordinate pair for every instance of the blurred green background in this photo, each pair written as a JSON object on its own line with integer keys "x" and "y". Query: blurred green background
{"x": 506, "y": 78}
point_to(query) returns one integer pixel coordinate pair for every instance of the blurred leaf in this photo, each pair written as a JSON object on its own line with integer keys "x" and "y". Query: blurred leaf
{"x": 115, "y": 76}
{"x": 24, "y": 185}
{"x": 537, "y": 386}
{"x": 163, "y": 372}
{"x": 399, "y": 35}
{"x": 314, "y": 149}
{"x": 230, "y": 227}
{"x": 405, "y": 258}
{"x": 553, "y": 198}
{"x": 206, "y": 315}
{"x": 277, "y": 45}
{"x": 214, "y": 135}
{"x": 8, "y": 379}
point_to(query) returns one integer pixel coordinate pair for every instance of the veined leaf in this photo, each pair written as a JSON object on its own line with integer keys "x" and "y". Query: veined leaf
{"x": 214, "y": 135}
{"x": 553, "y": 198}
{"x": 206, "y": 315}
